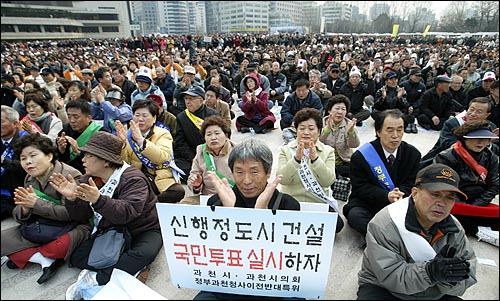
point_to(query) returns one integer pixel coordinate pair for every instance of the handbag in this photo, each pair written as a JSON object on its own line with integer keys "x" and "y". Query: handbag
{"x": 108, "y": 246}
{"x": 341, "y": 188}
{"x": 151, "y": 179}
{"x": 42, "y": 230}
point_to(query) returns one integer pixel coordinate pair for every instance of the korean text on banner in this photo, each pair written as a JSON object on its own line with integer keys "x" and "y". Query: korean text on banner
{"x": 232, "y": 250}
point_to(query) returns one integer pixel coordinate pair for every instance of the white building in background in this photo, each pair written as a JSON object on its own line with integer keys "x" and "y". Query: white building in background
{"x": 245, "y": 16}
{"x": 57, "y": 20}
{"x": 145, "y": 14}
{"x": 174, "y": 17}
{"x": 197, "y": 18}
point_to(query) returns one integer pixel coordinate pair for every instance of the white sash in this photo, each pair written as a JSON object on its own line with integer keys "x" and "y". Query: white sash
{"x": 419, "y": 248}
{"x": 108, "y": 189}
{"x": 310, "y": 182}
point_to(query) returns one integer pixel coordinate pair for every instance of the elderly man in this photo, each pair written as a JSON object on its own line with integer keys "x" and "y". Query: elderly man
{"x": 479, "y": 109}
{"x": 382, "y": 171}
{"x": 188, "y": 80}
{"x": 188, "y": 136}
{"x": 415, "y": 249}
{"x": 12, "y": 173}
{"x": 250, "y": 162}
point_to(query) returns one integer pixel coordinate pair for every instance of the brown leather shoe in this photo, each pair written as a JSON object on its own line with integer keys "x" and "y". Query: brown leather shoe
{"x": 143, "y": 275}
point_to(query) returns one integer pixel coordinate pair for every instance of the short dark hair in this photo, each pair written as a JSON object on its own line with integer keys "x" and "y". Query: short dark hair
{"x": 218, "y": 121}
{"x": 99, "y": 73}
{"x": 214, "y": 89}
{"x": 395, "y": 113}
{"x": 81, "y": 86}
{"x": 36, "y": 140}
{"x": 148, "y": 103}
{"x": 80, "y": 104}
{"x": 483, "y": 100}
{"x": 37, "y": 97}
{"x": 306, "y": 114}
{"x": 339, "y": 98}
{"x": 301, "y": 83}
{"x": 119, "y": 68}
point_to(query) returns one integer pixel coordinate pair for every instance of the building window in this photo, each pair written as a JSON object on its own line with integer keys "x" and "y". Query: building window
{"x": 52, "y": 28}
{"x": 90, "y": 29}
{"x": 110, "y": 29}
{"x": 8, "y": 28}
{"x": 74, "y": 29}
{"x": 29, "y": 28}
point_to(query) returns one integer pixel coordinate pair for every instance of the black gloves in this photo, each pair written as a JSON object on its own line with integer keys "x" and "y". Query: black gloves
{"x": 447, "y": 268}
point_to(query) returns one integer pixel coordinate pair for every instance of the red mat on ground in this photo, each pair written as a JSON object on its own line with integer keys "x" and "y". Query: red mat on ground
{"x": 492, "y": 210}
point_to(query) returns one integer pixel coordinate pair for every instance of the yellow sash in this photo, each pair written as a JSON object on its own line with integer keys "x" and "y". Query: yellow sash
{"x": 194, "y": 119}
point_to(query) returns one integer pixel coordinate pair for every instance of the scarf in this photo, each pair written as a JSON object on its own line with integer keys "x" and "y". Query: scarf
{"x": 108, "y": 189}
{"x": 45, "y": 197}
{"x": 209, "y": 162}
{"x": 470, "y": 161}
{"x": 35, "y": 120}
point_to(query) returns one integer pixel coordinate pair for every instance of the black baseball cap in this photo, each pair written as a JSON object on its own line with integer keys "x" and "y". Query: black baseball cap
{"x": 439, "y": 177}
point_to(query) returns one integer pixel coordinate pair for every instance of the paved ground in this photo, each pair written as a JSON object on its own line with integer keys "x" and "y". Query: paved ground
{"x": 346, "y": 261}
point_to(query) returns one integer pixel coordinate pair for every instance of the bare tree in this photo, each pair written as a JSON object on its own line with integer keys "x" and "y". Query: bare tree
{"x": 486, "y": 11}
{"x": 454, "y": 18}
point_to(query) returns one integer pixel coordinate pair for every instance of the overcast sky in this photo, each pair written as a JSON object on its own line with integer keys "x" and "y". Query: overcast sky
{"x": 437, "y": 6}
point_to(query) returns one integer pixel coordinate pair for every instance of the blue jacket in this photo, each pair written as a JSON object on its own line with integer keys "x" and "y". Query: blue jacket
{"x": 293, "y": 104}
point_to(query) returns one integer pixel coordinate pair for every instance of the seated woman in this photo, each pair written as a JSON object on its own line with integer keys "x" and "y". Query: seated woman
{"x": 307, "y": 162}
{"x": 255, "y": 108}
{"x": 117, "y": 195}
{"x": 38, "y": 198}
{"x": 39, "y": 118}
{"x": 340, "y": 133}
{"x": 149, "y": 148}
{"x": 109, "y": 107}
{"x": 477, "y": 166}
{"x": 212, "y": 155}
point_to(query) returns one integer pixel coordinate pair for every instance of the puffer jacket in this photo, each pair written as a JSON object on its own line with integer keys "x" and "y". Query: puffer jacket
{"x": 479, "y": 193}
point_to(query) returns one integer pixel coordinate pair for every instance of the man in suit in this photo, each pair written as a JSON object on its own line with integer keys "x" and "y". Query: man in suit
{"x": 382, "y": 171}
{"x": 12, "y": 173}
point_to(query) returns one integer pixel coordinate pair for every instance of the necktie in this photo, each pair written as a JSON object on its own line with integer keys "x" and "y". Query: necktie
{"x": 391, "y": 159}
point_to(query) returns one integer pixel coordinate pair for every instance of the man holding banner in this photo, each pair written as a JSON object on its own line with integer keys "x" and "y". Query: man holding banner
{"x": 415, "y": 248}
{"x": 382, "y": 171}
{"x": 250, "y": 162}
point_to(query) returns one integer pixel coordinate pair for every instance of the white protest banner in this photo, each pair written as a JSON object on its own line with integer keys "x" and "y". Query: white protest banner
{"x": 248, "y": 251}
{"x": 207, "y": 39}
